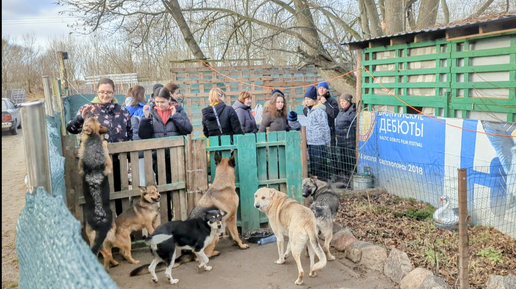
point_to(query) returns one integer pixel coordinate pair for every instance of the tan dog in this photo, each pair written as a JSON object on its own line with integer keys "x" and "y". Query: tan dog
{"x": 144, "y": 214}
{"x": 92, "y": 127}
{"x": 222, "y": 194}
{"x": 288, "y": 217}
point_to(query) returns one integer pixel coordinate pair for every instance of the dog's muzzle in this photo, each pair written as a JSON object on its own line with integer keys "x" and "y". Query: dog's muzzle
{"x": 156, "y": 199}
{"x": 306, "y": 192}
{"x": 257, "y": 206}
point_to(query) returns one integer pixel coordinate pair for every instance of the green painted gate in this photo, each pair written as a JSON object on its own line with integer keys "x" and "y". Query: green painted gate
{"x": 262, "y": 160}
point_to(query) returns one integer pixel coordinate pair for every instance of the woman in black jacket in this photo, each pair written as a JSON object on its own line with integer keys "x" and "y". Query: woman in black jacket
{"x": 164, "y": 118}
{"x": 219, "y": 118}
{"x": 242, "y": 108}
{"x": 345, "y": 129}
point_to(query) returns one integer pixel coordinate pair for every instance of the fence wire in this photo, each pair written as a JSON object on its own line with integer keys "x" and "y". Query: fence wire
{"x": 49, "y": 244}
{"x": 491, "y": 192}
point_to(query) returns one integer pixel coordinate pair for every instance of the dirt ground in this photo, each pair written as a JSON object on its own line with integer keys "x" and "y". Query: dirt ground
{"x": 234, "y": 268}
{"x": 13, "y": 201}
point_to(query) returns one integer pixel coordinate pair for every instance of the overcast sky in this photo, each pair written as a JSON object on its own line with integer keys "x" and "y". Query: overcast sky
{"x": 38, "y": 17}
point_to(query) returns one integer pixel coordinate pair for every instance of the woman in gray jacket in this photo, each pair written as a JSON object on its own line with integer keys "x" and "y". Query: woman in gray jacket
{"x": 275, "y": 118}
{"x": 242, "y": 108}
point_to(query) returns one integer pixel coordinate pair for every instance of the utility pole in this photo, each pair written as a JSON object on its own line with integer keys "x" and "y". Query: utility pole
{"x": 61, "y": 56}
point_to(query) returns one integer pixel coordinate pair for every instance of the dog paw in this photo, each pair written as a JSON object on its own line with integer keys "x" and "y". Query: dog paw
{"x": 214, "y": 253}
{"x": 244, "y": 246}
{"x": 177, "y": 264}
{"x": 207, "y": 268}
{"x": 299, "y": 281}
{"x": 330, "y": 257}
{"x": 280, "y": 261}
{"x": 155, "y": 280}
{"x": 174, "y": 281}
{"x": 312, "y": 274}
{"x": 134, "y": 262}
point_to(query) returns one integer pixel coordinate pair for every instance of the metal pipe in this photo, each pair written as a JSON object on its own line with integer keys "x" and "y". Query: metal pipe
{"x": 35, "y": 142}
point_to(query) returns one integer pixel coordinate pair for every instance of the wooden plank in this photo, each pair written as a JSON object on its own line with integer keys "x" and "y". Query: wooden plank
{"x": 142, "y": 145}
{"x": 135, "y": 170}
{"x": 272, "y": 164}
{"x": 111, "y": 180}
{"x": 248, "y": 181}
{"x": 294, "y": 170}
{"x": 282, "y": 161}
{"x": 176, "y": 206}
{"x": 136, "y": 191}
{"x": 161, "y": 162}
{"x": 183, "y": 204}
{"x": 149, "y": 172}
{"x": 123, "y": 172}
{"x": 261, "y": 157}
{"x": 196, "y": 181}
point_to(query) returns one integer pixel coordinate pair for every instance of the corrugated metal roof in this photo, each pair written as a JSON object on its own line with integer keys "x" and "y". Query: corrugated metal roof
{"x": 505, "y": 17}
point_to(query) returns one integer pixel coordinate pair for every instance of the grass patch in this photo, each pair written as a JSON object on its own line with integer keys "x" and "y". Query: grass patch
{"x": 416, "y": 213}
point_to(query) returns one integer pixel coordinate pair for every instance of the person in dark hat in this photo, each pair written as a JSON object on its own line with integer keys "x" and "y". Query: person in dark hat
{"x": 332, "y": 107}
{"x": 345, "y": 127}
{"x": 293, "y": 123}
{"x": 155, "y": 92}
{"x": 318, "y": 137}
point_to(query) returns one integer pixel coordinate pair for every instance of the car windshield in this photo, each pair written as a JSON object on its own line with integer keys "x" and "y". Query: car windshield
{"x": 4, "y": 105}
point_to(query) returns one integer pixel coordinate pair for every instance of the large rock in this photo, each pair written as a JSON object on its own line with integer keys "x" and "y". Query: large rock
{"x": 501, "y": 282}
{"x": 336, "y": 227}
{"x": 433, "y": 282}
{"x": 373, "y": 257}
{"x": 342, "y": 239}
{"x": 397, "y": 266}
{"x": 415, "y": 278}
{"x": 354, "y": 251}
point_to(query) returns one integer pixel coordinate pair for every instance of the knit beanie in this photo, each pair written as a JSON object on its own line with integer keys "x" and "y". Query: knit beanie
{"x": 346, "y": 97}
{"x": 311, "y": 92}
{"x": 155, "y": 87}
{"x": 278, "y": 91}
{"x": 292, "y": 116}
{"x": 323, "y": 84}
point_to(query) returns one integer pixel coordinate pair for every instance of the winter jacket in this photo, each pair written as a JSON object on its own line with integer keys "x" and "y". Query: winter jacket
{"x": 153, "y": 126}
{"x": 228, "y": 120}
{"x": 111, "y": 115}
{"x": 317, "y": 129}
{"x": 294, "y": 125}
{"x": 332, "y": 109}
{"x": 245, "y": 117}
{"x": 276, "y": 123}
{"x": 345, "y": 127}
{"x": 136, "y": 110}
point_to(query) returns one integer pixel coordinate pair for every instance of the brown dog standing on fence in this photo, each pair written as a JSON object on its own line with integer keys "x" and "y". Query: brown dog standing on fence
{"x": 144, "y": 214}
{"x": 95, "y": 164}
{"x": 222, "y": 194}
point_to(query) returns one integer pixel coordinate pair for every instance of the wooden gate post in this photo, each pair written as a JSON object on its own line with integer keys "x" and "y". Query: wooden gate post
{"x": 246, "y": 154}
{"x": 196, "y": 170}
{"x": 463, "y": 229}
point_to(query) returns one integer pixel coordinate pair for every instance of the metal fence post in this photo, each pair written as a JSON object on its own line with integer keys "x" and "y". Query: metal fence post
{"x": 463, "y": 229}
{"x": 35, "y": 142}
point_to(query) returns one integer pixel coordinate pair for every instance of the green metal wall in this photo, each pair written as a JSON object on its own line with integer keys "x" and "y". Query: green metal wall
{"x": 453, "y": 68}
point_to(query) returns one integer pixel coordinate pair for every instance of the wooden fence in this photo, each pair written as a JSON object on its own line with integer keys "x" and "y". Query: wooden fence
{"x": 272, "y": 159}
{"x": 188, "y": 170}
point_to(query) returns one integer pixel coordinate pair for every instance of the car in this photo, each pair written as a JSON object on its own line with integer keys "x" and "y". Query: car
{"x": 11, "y": 117}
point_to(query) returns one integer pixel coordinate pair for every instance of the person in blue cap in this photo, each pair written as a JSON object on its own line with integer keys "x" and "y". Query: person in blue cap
{"x": 317, "y": 134}
{"x": 293, "y": 123}
{"x": 332, "y": 107}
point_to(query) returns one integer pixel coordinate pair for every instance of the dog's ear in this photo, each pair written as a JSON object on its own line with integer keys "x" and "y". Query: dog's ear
{"x": 232, "y": 159}
{"x": 103, "y": 130}
{"x": 142, "y": 189}
{"x": 272, "y": 192}
{"x": 217, "y": 158}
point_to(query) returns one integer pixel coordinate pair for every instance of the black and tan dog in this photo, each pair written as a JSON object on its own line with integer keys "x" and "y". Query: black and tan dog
{"x": 221, "y": 194}
{"x": 325, "y": 205}
{"x": 95, "y": 164}
{"x": 144, "y": 214}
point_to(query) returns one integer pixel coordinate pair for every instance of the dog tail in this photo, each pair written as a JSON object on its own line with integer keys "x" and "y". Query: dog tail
{"x": 155, "y": 240}
{"x": 314, "y": 242}
{"x": 139, "y": 270}
{"x": 99, "y": 240}
{"x": 186, "y": 256}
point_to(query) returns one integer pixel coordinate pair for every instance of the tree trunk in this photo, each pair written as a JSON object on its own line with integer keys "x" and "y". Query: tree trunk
{"x": 364, "y": 24}
{"x": 446, "y": 11}
{"x": 393, "y": 16}
{"x": 175, "y": 10}
{"x": 374, "y": 19}
{"x": 427, "y": 13}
